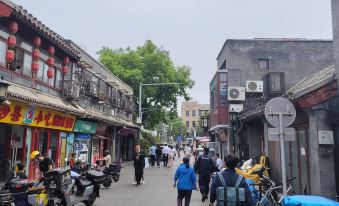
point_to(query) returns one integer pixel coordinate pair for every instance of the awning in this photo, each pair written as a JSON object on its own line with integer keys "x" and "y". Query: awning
{"x": 18, "y": 92}
{"x": 219, "y": 126}
{"x": 150, "y": 132}
{"x": 200, "y": 138}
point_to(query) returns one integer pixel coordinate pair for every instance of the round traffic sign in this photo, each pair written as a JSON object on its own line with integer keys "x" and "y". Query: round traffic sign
{"x": 280, "y": 105}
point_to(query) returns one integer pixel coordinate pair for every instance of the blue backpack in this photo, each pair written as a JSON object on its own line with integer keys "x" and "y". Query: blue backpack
{"x": 230, "y": 196}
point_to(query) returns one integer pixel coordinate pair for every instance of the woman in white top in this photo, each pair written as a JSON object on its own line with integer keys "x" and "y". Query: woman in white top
{"x": 171, "y": 154}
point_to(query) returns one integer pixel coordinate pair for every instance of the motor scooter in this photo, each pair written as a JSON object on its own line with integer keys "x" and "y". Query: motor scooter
{"x": 66, "y": 189}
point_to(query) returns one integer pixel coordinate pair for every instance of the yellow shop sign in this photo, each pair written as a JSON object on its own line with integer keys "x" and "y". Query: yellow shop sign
{"x": 21, "y": 114}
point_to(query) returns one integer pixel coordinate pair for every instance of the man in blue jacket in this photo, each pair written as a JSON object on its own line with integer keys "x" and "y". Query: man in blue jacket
{"x": 186, "y": 179}
{"x": 230, "y": 177}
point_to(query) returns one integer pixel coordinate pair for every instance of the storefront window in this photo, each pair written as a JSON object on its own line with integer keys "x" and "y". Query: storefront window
{"x": 27, "y": 64}
{"x": 3, "y": 48}
{"x": 58, "y": 79}
{"x": 53, "y": 148}
{"x": 40, "y": 73}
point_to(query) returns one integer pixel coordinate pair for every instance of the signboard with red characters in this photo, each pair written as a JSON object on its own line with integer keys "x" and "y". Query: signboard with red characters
{"x": 21, "y": 114}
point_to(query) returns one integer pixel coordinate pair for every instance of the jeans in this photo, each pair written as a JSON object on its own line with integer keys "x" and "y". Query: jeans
{"x": 158, "y": 161}
{"x": 152, "y": 160}
{"x": 204, "y": 183}
{"x": 184, "y": 194}
{"x": 165, "y": 160}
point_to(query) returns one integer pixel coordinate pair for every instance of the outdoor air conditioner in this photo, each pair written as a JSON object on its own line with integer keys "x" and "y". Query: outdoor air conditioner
{"x": 236, "y": 93}
{"x": 72, "y": 91}
{"x": 254, "y": 86}
{"x": 236, "y": 108}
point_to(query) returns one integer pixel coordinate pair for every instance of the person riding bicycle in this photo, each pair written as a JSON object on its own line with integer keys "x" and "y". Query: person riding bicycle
{"x": 46, "y": 164}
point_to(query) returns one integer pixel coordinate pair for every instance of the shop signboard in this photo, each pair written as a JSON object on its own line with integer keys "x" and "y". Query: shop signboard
{"x": 85, "y": 126}
{"x": 83, "y": 137}
{"x": 21, "y": 114}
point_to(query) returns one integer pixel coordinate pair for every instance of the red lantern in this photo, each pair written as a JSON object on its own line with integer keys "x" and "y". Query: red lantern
{"x": 66, "y": 60}
{"x": 13, "y": 27}
{"x": 10, "y": 56}
{"x": 64, "y": 70}
{"x": 37, "y": 41}
{"x": 50, "y": 73}
{"x": 36, "y": 54}
{"x": 11, "y": 41}
{"x": 51, "y": 50}
{"x": 35, "y": 66}
{"x": 50, "y": 62}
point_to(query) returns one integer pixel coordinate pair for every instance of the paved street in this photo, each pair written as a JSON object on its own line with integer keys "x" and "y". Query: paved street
{"x": 158, "y": 189}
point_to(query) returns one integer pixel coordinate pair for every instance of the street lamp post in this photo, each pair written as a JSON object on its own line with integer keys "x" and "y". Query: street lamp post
{"x": 139, "y": 120}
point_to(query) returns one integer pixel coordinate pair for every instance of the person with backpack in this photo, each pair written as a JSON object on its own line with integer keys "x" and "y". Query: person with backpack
{"x": 230, "y": 184}
{"x": 204, "y": 167}
{"x": 186, "y": 179}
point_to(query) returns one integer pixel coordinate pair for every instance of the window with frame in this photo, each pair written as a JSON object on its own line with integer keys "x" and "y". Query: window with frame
{"x": 58, "y": 79}
{"x": 263, "y": 64}
{"x": 3, "y": 49}
{"x": 276, "y": 82}
{"x": 223, "y": 94}
{"x": 27, "y": 62}
{"x": 193, "y": 113}
{"x": 187, "y": 124}
{"x": 187, "y": 113}
{"x": 193, "y": 124}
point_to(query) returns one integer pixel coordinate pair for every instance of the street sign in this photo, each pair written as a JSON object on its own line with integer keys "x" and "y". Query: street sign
{"x": 273, "y": 134}
{"x": 280, "y": 105}
{"x": 280, "y": 113}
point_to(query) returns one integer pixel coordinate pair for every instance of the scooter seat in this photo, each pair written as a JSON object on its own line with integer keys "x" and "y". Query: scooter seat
{"x": 95, "y": 174}
{"x": 84, "y": 183}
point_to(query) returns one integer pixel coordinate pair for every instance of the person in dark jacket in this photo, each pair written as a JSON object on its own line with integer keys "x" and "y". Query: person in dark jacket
{"x": 139, "y": 164}
{"x": 158, "y": 154}
{"x": 230, "y": 177}
{"x": 205, "y": 167}
{"x": 185, "y": 176}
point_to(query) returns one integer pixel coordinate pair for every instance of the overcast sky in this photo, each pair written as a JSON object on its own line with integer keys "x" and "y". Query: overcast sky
{"x": 193, "y": 31}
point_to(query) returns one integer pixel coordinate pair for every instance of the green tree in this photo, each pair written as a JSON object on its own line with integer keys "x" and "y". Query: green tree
{"x": 142, "y": 65}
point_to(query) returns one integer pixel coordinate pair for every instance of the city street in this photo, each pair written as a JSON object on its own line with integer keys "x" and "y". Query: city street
{"x": 158, "y": 189}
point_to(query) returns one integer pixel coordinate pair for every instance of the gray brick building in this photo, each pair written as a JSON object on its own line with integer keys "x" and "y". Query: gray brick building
{"x": 260, "y": 69}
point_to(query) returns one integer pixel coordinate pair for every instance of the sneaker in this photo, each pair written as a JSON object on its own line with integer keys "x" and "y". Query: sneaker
{"x": 143, "y": 182}
{"x": 134, "y": 183}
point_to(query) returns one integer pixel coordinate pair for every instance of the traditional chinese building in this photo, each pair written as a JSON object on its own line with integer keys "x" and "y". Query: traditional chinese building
{"x": 58, "y": 100}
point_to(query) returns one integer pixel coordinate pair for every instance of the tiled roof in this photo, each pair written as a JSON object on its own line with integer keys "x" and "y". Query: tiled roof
{"x": 22, "y": 14}
{"x": 304, "y": 86}
{"x": 21, "y": 93}
{"x": 311, "y": 82}
{"x": 252, "y": 112}
{"x": 27, "y": 94}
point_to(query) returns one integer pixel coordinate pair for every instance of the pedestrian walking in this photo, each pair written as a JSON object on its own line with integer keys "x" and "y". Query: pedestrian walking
{"x": 139, "y": 164}
{"x": 185, "y": 181}
{"x": 218, "y": 162}
{"x": 171, "y": 154}
{"x": 188, "y": 151}
{"x": 165, "y": 152}
{"x": 230, "y": 178}
{"x": 205, "y": 167}
{"x": 158, "y": 155}
{"x": 152, "y": 154}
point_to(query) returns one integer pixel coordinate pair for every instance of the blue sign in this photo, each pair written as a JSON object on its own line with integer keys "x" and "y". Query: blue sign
{"x": 179, "y": 138}
{"x": 81, "y": 136}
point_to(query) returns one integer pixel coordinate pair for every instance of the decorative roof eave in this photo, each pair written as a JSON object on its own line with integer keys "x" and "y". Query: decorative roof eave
{"x": 22, "y": 15}
{"x": 252, "y": 112}
{"x": 311, "y": 83}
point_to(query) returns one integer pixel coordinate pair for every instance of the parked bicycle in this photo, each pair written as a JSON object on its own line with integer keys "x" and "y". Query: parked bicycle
{"x": 272, "y": 193}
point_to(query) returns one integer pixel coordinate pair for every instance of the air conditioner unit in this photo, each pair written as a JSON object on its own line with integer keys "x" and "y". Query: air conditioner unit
{"x": 236, "y": 93}
{"x": 72, "y": 91}
{"x": 236, "y": 108}
{"x": 254, "y": 86}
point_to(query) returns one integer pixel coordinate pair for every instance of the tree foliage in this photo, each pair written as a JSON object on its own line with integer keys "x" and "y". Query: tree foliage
{"x": 142, "y": 65}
